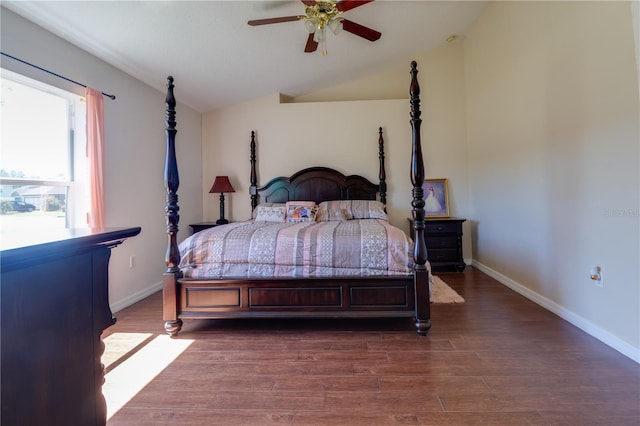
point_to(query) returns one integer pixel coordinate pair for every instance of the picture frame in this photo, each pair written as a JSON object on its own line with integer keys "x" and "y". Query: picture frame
{"x": 436, "y": 198}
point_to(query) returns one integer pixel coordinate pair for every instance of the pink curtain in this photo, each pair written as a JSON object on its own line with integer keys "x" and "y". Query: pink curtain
{"x": 96, "y": 218}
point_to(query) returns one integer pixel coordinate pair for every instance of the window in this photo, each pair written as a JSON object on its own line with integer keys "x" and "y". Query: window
{"x": 42, "y": 156}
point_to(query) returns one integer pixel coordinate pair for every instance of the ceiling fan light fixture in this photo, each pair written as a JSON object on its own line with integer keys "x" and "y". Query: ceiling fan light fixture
{"x": 311, "y": 24}
{"x": 335, "y": 25}
{"x": 320, "y": 35}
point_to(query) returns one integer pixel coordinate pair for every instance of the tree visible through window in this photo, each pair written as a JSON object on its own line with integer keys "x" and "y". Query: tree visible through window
{"x": 42, "y": 156}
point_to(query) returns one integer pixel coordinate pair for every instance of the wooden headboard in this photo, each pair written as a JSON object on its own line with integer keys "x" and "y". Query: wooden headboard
{"x": 318, "y": 183}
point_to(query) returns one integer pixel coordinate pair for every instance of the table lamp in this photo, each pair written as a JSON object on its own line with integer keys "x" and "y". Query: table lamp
{"x": 221, "y": 185}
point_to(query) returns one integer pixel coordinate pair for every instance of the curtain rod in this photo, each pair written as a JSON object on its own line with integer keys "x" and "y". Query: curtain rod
{"x": 53, "y": 73}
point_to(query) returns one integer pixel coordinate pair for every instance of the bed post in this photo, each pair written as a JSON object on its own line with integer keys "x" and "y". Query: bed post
{"x": 421, "y": 276}
{"x": 253, "y": 180}
{"x": 382, "y": 176}
{"x": 172, "y": 258}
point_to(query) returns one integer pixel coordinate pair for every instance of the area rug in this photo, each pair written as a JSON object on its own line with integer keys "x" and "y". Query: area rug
{"x": 442, "y": 293}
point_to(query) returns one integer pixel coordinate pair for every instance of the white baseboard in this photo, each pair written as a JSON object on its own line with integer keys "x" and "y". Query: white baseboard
{"x": 136, "y": 297}
{"x": 588, "y": 327}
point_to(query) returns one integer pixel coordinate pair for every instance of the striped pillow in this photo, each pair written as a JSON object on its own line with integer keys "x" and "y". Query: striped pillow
{"x": 351, "y": 209}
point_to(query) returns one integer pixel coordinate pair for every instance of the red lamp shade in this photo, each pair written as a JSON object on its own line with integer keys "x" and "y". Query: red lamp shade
{"x": 220, "y": 185}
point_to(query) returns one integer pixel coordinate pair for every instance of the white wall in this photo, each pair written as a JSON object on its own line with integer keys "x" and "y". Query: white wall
{"x": 330, "y": 130}
{"x": 135, "y": 149}
{"x": 552, "y": 109}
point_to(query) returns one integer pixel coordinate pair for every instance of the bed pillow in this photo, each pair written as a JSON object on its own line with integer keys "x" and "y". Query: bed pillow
{"x": 301, "y": 211}
{"x": 271, "y": 213}
{"x": 334, "y": 211}
{"x": 351, "y": 209}
{"x": 368, "y": 209}
{"x": 254, "y": 213}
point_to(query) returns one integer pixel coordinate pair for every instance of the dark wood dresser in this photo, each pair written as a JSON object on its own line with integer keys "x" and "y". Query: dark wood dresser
{"x": 54, "y": 297}
{"x": 443, "y": 238}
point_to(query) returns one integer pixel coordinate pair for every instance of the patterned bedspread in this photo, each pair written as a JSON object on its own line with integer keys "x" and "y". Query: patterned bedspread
{"x": 263, "y": 250}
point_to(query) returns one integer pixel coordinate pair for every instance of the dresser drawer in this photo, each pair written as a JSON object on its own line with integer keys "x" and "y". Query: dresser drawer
{"x": 441, "y": 228}
{"x": 441, "y": 242}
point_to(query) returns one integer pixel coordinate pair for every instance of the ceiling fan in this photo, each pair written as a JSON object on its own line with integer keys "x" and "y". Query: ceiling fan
{"x": 322, "y": 14}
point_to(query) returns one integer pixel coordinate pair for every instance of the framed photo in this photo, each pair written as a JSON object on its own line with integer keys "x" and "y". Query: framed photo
{"x": 436, "y": 198}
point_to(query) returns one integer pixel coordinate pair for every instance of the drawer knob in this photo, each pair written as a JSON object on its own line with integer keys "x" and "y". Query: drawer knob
{"x": 440, "y": 228}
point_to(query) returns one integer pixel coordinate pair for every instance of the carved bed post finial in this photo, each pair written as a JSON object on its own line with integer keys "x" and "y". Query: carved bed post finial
{"x": 383, "y": 175}
{"x": 253, "y": 189}
{"x": 171, "y": 182}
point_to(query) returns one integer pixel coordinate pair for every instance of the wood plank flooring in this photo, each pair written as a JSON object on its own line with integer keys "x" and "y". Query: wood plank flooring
{"x": 497, "y": 359}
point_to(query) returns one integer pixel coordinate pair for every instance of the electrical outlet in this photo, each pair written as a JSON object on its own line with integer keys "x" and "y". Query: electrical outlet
{"x": 596, "y": 276}
{"x": 132, "y": 262}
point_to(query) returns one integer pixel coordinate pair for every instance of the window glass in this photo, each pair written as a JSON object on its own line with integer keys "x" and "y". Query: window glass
{"x": 35, "y": 133}
{"x": 42, "y": 158}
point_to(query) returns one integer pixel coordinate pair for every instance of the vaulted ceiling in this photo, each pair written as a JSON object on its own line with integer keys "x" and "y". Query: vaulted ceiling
{"x": 219, "y": 60}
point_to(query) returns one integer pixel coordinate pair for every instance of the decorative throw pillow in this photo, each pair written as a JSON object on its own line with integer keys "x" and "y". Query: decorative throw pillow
{"x": 254, "y": 213}
{"x": 300, "y": 203}
{"x": 301, "y": 211}
{"x": 270, "y": 213}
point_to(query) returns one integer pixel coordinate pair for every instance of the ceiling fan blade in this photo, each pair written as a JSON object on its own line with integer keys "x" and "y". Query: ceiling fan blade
{"x": 360, "y": 30}
{"x": 345, "y": 5}
{"x": 309, "y": 2}
{"x": 311, "y": 45}
{"x": 273, "y": 20}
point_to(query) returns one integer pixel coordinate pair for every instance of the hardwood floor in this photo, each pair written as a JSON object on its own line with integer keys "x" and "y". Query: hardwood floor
{"x": 497, "y": 359}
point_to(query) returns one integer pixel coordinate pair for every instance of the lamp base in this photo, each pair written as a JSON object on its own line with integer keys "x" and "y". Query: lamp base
{"x": 222, "y": 221}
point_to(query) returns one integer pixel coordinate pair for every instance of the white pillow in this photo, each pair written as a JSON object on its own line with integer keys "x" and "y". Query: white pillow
{"x": 254, "y": 213}
{"x": 270, "y": 213}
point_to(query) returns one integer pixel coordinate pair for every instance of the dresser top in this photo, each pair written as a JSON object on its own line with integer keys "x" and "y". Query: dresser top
{"x": 23, "y": 246}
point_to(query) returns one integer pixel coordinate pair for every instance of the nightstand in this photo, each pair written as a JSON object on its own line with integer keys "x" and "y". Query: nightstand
{"x": 443, "y": 237}
{"x": 197, "y": 227}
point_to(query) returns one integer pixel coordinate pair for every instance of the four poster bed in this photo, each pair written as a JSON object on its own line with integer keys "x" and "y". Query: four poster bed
{"x": 305, "y": 232}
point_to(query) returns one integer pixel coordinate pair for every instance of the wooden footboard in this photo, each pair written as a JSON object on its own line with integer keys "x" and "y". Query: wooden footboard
{"x": 311, "y": 297}
{"x": 349, "y": 297}
{"x": 353, "y": 297}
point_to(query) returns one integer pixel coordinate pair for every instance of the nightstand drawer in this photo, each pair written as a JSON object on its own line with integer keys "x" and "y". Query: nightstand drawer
{"x": 441, "y": 242}
{"x": 441, "y": 227}
{"x": 443, "y": 255}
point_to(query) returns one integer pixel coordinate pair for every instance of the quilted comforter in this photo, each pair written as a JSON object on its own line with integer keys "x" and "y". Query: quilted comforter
{"x": 253, "y": 249}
